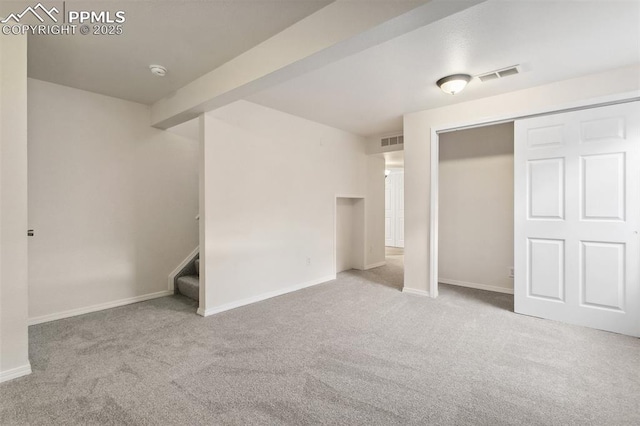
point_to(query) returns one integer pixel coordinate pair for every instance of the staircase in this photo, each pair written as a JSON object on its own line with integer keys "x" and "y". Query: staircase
{"x": 188, "y": 283}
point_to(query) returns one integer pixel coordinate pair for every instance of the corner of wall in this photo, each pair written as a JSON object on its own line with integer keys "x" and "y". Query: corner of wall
{"x": 14, "y": 354}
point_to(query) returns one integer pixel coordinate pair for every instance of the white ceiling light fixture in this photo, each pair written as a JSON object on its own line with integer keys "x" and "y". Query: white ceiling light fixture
{"x": 158, "y": 70}
{"x": 453, "y": 84}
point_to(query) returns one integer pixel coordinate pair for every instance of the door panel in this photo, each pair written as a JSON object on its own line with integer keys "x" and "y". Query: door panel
{"x": 577, "y": 217}
{"x": 603, "y": 189}
{"x": 602, "y": 275}
{"x": 547, "y": 271}
{"x": 546, "y": 189}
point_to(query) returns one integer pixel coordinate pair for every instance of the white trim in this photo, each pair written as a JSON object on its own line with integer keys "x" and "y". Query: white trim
{"x": 263, "y": 296}
{"x": 96, "y": 308}
{"x": 478, "y": 286}
{"x": 631, "y": 96}
{"x": 415, "y": 291}
{"x": 185, "y": 262}
{"x": 433, "y": 225}
{"x": 203, "y": 171}
{"x": 14, "y": 373}
{"x": 375, "y": 265}
{"x": 350, "y": 196}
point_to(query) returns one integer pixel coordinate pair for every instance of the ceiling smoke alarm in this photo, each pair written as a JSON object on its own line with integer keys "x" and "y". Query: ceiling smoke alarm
{"x": 158, "y": 70}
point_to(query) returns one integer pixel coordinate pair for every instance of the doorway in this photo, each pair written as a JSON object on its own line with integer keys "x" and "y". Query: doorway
{"x": 475, "y": 226}
{"x": 590, "y": 145}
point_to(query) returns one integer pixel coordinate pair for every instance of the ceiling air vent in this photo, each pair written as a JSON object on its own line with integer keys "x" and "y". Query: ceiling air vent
{"x": 392, "y": 140}
{"x": 501, "y": 73}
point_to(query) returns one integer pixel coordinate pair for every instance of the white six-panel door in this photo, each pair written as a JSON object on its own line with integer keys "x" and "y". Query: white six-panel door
{"x": 399, "y": 196}
{"x": 577, "y": 217}
{"x": 394, "y": 209}
{"x": 389, "y": 213}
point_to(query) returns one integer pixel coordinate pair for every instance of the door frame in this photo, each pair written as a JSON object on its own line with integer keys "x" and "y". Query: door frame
{"x": 620, "y": 98}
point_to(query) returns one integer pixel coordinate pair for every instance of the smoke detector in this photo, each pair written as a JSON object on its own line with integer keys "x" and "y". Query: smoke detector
{"x": 158, "y": 70}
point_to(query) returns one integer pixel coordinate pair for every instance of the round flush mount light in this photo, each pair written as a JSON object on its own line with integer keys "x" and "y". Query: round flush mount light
{"x": 158, "y": 70}
{"x": 453, "y": 84}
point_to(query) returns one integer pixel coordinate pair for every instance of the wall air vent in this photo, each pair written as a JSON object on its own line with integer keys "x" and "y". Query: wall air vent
{"x": 501, "y": 73}
{"x": 392, "y": 140}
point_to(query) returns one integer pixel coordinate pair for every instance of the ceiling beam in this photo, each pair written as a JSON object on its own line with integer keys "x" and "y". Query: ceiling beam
{"x": 334, "y": 32}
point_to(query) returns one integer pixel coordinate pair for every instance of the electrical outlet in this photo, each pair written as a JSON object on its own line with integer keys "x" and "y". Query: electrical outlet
{"x": 308, "y": 261}
{"x": 511, "y": 272}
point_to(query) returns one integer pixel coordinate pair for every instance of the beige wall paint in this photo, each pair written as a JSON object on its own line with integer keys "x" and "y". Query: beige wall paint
{"x": 112, "y": 201}
{"x": 270, "y": 187}
{"x": 417, "y": 141}
{"x": 476, "y": 207}
{"x": 14, "y": 361}
{"x": 374, "y": 213}
{"x": 349, "y": 233}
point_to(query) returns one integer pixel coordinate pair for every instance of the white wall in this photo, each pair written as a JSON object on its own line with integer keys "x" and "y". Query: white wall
{"x": 417, "y": 141}
{"x": 112, "y": 201}
{"x": 476, "y": 207}
{"x": 14, "y": 361}
{"x": 374, "y": 213}
{"x": 270, "y": 184}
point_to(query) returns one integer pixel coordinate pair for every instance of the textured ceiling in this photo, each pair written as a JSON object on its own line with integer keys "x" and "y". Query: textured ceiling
{"x": 369, "y": 92}
{"x": 190, "y": 38}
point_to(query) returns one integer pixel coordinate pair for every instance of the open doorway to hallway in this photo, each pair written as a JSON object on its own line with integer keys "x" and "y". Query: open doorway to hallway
{"x": 394, "y": 210}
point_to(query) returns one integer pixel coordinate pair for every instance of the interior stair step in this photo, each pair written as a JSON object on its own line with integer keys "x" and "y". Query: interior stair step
{"x": 189, "y": 285}
{"x": 198, "y": 267}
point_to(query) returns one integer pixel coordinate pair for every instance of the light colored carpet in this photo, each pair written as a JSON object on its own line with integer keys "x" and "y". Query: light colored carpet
{"x": 351, "y": 351}
{"x": 394, "y": 251}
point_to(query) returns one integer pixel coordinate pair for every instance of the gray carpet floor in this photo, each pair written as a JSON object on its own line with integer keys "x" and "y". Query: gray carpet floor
{"x": 351, "y": 351}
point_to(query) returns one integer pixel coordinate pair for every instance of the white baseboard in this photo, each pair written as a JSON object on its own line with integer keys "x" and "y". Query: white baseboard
{"x": 99, "y": 307}
{"x": 185, "y": 262}
{"x": 415, "y": 292}
{"x": 263, "y": 296}
{"x": 476, "y": 285}
{"x": 14, "y": 373}
{"x": 375, "y": 265}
